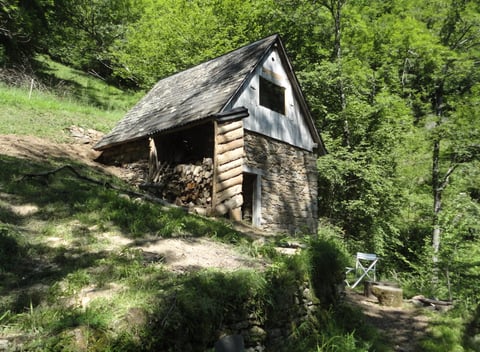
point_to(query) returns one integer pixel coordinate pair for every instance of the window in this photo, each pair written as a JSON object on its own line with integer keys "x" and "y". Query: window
{"x": 272, "y": 96}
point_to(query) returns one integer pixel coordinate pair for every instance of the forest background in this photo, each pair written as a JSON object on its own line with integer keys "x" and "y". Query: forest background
{"x": 394, "y": 86}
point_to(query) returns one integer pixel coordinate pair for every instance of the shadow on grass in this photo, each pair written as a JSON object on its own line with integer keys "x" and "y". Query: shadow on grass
{"x": 82, "y": 87}
{"x": 62, "y": 205}
{"x": 64, "y": 197}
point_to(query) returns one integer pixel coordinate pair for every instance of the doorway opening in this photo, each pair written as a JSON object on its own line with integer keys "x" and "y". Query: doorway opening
{"x": 251, "y": 189}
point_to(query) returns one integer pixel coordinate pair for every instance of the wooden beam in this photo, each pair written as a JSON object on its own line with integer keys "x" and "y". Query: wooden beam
{"x": 229, "y": 156}
{"x": 231, "y": 145}
{"x": 235, "y": 181}
{"x": 230, "y": 136}
{"x": 227, "y": 127}
{"x": 232, "y": 164}
{"x": 228, "y": 193}
{"x": 230, "y": 204}
{"x": 215, "y": 166}
{"x": 224, "y": 176}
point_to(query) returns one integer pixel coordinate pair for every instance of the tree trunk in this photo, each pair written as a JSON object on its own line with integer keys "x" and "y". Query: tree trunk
{"x": 335, "y": 8}
{"x": 437, "y": 187}
{"x": 437, "y": 206}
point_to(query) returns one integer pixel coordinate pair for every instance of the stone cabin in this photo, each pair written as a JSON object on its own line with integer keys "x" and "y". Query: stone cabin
{"x": 230, "y": 137}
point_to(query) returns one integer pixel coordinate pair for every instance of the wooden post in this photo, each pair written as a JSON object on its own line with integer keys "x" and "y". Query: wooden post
{"x": 152, "y": 159}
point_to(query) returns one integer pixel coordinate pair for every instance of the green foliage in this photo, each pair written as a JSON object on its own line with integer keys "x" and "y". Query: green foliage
{"x": 163, "y": 42}
{"x": 82, "y": 33}
{"x": 396, "y": 79}
{"x": 22, "y": 25}
{"x": 327, "y": 262}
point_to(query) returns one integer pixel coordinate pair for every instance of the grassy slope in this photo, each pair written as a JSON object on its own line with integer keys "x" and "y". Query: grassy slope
{"x": 58, "y": 237}
{"x": 73, "y": 98}
{"x": 59, "y": 241}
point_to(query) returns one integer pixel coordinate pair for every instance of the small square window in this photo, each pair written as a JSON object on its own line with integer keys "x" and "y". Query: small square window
{"x": 272, "y": 96}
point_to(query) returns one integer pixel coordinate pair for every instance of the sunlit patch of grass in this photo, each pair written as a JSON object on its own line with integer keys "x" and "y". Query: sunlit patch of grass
{"x": 46, "y": 115}
{"x": 446, "y": 332}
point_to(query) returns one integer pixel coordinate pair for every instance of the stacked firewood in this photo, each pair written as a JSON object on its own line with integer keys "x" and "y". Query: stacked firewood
{"x": 183, "y": 184}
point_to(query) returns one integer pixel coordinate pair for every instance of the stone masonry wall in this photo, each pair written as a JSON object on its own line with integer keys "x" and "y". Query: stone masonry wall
{"x": 289, "y": 184}
{"x": 290, "y": 311}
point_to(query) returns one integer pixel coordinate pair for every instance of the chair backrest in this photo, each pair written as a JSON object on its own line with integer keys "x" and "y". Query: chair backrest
{"x": 366, "y": 256}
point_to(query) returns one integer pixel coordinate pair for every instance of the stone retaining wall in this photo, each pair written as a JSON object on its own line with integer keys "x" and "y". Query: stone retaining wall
{"x": 283, "y": 317}
{"x": 289, "y": 184}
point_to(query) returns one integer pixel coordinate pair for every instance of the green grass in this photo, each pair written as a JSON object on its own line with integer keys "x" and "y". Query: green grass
{"x": 85, "y": 88}
{"x": 46, "y": 115}
{"x": 66, "y": 247}
{"x": 71, "y": 98}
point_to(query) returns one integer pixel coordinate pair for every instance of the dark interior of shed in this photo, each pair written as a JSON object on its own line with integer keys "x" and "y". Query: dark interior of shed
{"x": 186, "y": 146}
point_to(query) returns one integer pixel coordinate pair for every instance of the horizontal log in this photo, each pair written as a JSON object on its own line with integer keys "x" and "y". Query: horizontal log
{"x": 229, "y": 126}
{"x": 230, "y": 136}
{"x": 235, "y": 181}
{"x": 230, "y": 165}
{"x": 230, "y": 204}
{"x": 230, "y": 156}
{"x": 224, "y": 176}
{"x": 228, "y": 193}
{"x": 232, "y": 145}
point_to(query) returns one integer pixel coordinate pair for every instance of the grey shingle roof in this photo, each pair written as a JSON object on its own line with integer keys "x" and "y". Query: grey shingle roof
{"x": 188, "y": 96}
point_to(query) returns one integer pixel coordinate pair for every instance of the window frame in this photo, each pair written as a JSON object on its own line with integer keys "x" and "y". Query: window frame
{"x": 272, "y": 95}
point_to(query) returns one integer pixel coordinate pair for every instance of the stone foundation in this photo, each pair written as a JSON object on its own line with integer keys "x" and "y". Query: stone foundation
{"x": 288, "y": 184}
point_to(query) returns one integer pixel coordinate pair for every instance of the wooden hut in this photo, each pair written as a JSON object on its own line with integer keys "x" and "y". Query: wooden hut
{"x": 232, "y": 136}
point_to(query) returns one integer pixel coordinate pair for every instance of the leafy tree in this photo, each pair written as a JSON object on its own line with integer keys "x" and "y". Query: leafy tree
{"x": 439, "y": 80}
{"x": 22, "y": 23}
{"x": 82, "y": 32}
{"x": 172, "y": 35}
{"x": 361, "y": 122}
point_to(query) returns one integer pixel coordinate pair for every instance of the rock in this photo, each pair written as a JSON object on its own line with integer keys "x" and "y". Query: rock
{"x": 256, "y": 334}
{"x": 230, "y": 343}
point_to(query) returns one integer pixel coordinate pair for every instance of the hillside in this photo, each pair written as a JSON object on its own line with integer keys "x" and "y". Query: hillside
{"x": 76, "y": 258}
{"x": 87, "y": 267}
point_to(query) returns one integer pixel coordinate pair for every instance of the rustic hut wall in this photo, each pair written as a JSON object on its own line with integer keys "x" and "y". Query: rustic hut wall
{"x": 288, "y": 184}
{"x": 227, "y": 188}
{"x": 125, "y": 153}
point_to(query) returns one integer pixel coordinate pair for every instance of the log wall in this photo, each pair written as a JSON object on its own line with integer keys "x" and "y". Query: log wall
{"x": 288, "y": 184}
{"x": 125, "y": 153}
{"x": 228, "y": 174}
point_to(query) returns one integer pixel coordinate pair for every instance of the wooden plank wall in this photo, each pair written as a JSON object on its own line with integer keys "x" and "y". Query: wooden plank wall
{"x": 228, "y": 178}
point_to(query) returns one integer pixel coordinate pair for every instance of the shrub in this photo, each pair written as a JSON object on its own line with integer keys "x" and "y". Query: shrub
{"x": 327, "y": 269}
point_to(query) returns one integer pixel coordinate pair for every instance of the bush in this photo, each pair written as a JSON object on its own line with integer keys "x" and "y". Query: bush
{"x": 327, "y": 262}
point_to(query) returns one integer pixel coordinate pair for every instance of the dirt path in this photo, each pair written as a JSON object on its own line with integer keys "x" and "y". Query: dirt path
{"x": 401, "y": 327}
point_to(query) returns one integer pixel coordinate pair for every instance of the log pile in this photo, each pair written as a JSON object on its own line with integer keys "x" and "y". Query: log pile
{"x": 183, "y": 184}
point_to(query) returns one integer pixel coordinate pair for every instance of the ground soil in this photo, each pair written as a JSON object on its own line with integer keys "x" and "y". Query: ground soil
{"x": 179, "y": 254}
{"x": 401, "y": 326}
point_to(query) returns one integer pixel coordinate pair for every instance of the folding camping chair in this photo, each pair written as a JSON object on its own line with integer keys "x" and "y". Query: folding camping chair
{"x": 365, "y": 265}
